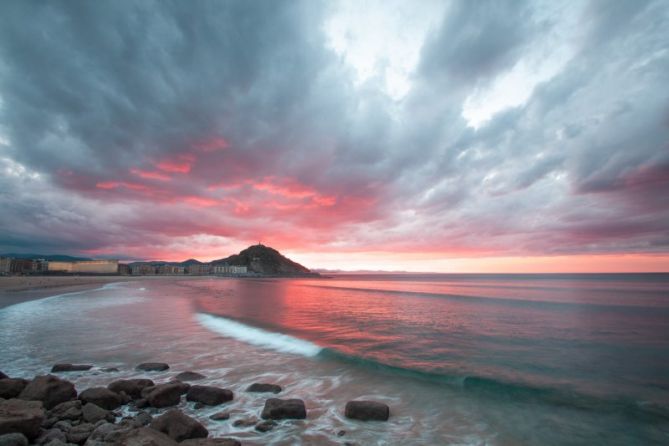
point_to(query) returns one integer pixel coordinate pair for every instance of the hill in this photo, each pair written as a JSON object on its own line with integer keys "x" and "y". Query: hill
{"x": 262, "y": 259}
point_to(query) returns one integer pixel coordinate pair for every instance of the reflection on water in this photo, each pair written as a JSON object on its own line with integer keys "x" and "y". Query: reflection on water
{"x": 460, "y": 361}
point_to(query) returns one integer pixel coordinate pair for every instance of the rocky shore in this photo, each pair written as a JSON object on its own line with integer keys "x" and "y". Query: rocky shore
{"x": 49, "y": 411}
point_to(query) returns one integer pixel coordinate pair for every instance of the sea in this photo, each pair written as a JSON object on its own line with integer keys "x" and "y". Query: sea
{"x": 460, "y": 359}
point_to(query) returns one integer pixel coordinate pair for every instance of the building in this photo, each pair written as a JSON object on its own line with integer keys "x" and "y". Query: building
{"x": 84, "y": 267}
{"x": 142, "y": 269}
{"x": 21, "y": 266}
{"x": 123, "y": 269}
{"x": 228, "y": 269}
{"x": 170, "y": 270}
{"x": 5, "y": 265}
{"x": 198, "y": 269}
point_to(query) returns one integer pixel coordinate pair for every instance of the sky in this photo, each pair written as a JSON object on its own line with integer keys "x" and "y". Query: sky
{"x": 447, "y": 136}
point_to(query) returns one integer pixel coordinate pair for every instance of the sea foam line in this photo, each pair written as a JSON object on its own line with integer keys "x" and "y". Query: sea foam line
{"x": 257, "y": 336}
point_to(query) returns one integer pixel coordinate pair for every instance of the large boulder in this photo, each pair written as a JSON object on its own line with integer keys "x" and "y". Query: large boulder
{"x": 50, "y": 435}
{"x": 132, "y": 387}
{"x": 164, "y": 395}
{"x": 264, "y": 388}
{"x": 11, "y": 388}
{"x": 50, "y": 390}
{"x": 210, "y": 442}
{"x": 278, "y": 409}
{"x": 152, "y": 366}
{"x": 107, "y": 434}
{"x": 14, "y": 439}
{"x": 367, "y": 411}
{"x": 70, "y": 367}
{"x": 189, "y": 376}
{"x": 179, "y": 426}
{"x": 101, "y": 396}
{"x": 21, "y": 416}
{"x": 209, "y": 395}
{"x": 69, "y": 410}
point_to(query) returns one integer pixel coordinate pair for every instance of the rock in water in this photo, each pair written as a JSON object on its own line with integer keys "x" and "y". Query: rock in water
{"x": 264, "y": 388}
{"x": 70, "y": 368}
{"x": 15, "y": 439}
{"x": 367, "y": 411}
{"x": 132, "y": 387}
{"x": 11, "y": 388}
{"x": 220, "y": 416}
{"x": 278, "y": 409}
{"x": 145, "y": 437}
{"x": 189, "y": 376}
{"x": 179, "y": 426}
{"x": 164, "y": 395}
{"x": 20, "y": 416}
{"x": 152, "y": 366}
{"x": 265, "y": 426}
{"x": 210, "y": 442}
{"x": 50, "y": 390}
{"x": 209, "y": 395}
{"x": 101, "y": 396}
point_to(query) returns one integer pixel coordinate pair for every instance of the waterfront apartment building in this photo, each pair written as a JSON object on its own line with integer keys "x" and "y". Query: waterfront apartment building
{"x": 229, "y": 269}
{"x": 5, "y": 265}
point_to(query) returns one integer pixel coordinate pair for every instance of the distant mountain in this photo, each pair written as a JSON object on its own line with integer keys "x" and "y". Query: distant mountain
{"x": 262, "y": 259}
{"x": 190, "y": 262}
{"x": 50, "y": 257}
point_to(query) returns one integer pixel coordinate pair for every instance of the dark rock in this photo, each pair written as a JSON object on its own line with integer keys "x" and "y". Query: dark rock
{"x": 101, "y": 396}
{"x": 63, "y": 425}
{"x": 50, "y": 435}
{"x": 245, "y": 422}
{"x": 189, "y": 376}
{"x": 3, "y": 376}
{"x": 110, "y": 370}
{"x": 132, "y": 387}
{"x": 69, "y": 410}
{"x": 142, "y": 419}
{"x": 11, "y": 388}
{"x": 70, "y": 368}
{"x": 14, "y": 439}
{"x": 92, "y": 413}
{"x": 264, "y": 387}
{"x": 179, "y": 426}
{"x": 21, "y": 416}
{"x": 58, "y": 443}
{"x": 278, "y": 409}
{"x": 163, "y": 395}
{"x": 107, "y": 434}
{"x": 50, "y": 390}
{"x": 220, "y": 416}
{"x": 211, "y": 442}
{"x": 141, "y": 403}
{"x": 265, "y": 426}
{"x": 145, "y": 437}
{"x": 152, "y": 366}
{"x": 209, "y": 395}
{"x": 341, "y": 433}
{"x": 367, "y": 411}
{"x": 79, "y": 434}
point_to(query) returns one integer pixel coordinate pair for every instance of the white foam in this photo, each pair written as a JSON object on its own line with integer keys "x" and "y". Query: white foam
{"x": 256, "y": 336}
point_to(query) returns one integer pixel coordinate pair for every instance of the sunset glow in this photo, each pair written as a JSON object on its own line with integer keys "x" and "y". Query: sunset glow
{"x": 469, "y": 141}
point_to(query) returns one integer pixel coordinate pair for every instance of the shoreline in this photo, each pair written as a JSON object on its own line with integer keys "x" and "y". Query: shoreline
{"x": 18, "y": 289}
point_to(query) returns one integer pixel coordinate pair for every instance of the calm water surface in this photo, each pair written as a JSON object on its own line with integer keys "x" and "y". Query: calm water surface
{"x": 461, "y": 359}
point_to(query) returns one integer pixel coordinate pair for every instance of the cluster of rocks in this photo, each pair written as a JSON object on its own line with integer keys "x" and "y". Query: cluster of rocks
{"x": 49, "y": 411}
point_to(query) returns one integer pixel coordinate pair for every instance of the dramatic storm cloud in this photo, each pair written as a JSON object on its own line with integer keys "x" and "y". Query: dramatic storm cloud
{"x": 345, "y": 133}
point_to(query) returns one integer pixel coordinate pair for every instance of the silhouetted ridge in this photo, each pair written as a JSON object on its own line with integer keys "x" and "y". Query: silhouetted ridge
{"x": 262, "y": 259}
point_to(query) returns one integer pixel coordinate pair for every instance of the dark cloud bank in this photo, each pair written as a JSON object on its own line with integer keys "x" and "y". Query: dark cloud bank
{"x": 139, "y": 125}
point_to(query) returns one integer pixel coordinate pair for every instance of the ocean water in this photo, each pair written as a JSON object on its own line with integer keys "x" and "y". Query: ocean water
{"x": 460, "y": 359}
